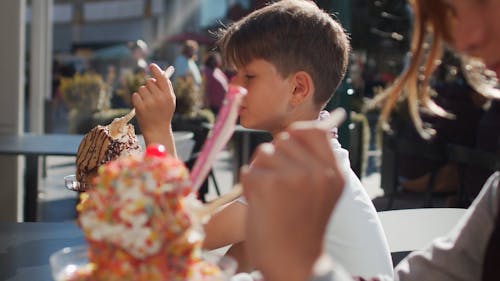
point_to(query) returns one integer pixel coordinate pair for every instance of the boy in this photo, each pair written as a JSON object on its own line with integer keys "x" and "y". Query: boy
{"x": 470, "y": 251}
{"x": 291, "y": 56}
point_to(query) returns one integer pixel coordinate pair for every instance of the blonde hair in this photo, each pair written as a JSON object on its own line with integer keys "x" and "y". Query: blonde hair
{"x": 431, "y": 28}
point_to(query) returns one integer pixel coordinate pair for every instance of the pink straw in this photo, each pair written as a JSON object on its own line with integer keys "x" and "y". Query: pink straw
{"x": 221, "y": 133}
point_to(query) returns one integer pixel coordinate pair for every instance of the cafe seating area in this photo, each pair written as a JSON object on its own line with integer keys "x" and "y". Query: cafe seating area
{"x": 465, "y": 158}
{"x": 412, "y": 229}
{"x": 57, "y": 214}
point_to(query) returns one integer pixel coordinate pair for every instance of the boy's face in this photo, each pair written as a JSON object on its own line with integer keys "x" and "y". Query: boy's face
{"x": 266, "y": 104}
{"x": 476, "y": 30}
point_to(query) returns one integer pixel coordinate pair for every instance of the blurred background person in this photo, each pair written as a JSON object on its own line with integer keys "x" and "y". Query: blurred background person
{"x": 215, "y": 82}
{"x": 139, "y": 52}
{"x": 185, "y": 63}
{"x": 456, "y": 96}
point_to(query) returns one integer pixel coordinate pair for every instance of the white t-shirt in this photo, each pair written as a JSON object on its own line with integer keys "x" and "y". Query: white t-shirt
{"x": 355, "y": 237}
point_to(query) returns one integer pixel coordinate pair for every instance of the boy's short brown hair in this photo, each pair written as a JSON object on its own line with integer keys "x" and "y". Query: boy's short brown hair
{"x": 293, "y": 35}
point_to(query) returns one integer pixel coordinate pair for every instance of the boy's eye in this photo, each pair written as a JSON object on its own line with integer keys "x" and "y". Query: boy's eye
{"x": 249, "y": 76}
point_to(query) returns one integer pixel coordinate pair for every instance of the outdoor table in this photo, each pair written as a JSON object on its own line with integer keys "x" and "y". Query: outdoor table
{"x": 31, "y": 146}
{"x": 242, "y": 140}
{"x": 243, "y": 146}
{"x": 25, "y": 248}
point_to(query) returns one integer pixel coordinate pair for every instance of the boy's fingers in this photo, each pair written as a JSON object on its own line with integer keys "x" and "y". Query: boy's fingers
{"x": 145, "y": 93}
{"x": 136, "y": 100}
{"x": 158, "y": 74}
{"x": 153, "y": 88}
{"x": 169, "y": 71}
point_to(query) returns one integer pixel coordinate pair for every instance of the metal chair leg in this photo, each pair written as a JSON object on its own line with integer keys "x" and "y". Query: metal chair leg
{"x": 430, "y": 190}
{"x": 393, "y": 194}
{"x": 212, "y": 176}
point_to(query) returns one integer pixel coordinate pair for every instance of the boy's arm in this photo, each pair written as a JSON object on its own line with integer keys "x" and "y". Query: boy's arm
{"x": 155, "y": 105}
{"x": 226, "y": 227}
{"x": 238, "y": 252}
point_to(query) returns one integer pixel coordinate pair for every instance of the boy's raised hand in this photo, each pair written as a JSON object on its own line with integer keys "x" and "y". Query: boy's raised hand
{"x": 154, "y": 103}
{"x": 291, "y": 188}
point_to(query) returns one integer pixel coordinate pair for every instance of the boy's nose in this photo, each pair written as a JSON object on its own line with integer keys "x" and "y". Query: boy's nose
{"x": 236, "y": 80}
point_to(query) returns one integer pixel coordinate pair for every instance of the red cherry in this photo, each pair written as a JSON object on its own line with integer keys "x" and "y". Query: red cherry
{"x": 155, "y": 150}
{"x": 186, "y": 191}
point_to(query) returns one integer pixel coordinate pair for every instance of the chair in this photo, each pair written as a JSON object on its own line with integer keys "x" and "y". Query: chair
{"x": 394, "y": 146}
{"x": 465, "y": 158}
{"x": 412, "y": 229}
{"x": 195, "y": 125}
{"x": 356, "y": 149}
{"x": 185, "y": 149}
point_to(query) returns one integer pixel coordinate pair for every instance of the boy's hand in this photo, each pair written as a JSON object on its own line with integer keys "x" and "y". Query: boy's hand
{"x": 155, "y": 105}
{"x": 291, "y": 188}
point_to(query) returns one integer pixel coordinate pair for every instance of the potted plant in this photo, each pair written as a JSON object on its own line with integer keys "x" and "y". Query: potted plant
{"x": 84, "y": 94}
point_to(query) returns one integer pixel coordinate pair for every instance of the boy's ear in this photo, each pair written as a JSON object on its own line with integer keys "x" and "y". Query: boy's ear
{"x": 304, "y": 87}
